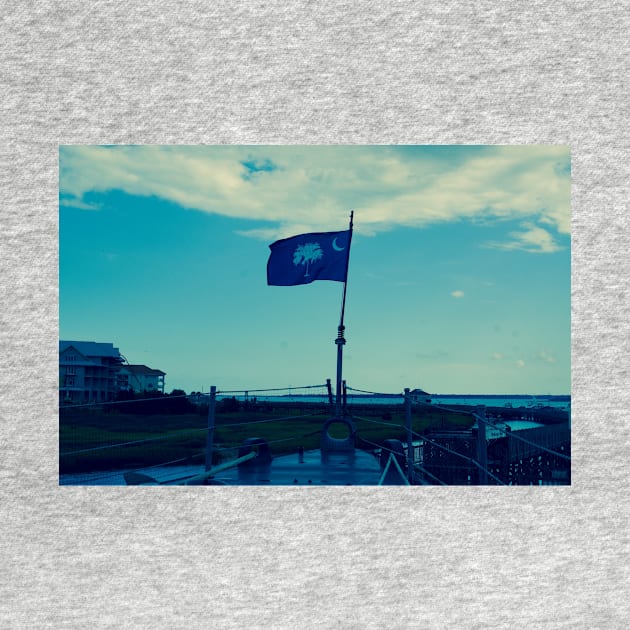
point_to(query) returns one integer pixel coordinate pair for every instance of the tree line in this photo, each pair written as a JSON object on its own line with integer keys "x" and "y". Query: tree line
{"x": 152, "y": 403}
{"x": 176, "y": 403}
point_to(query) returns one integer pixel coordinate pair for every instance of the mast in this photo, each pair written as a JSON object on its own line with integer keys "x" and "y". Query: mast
{"x": 340, "y": 341}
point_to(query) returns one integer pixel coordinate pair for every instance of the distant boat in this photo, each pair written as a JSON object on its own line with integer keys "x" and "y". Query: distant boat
{"x": 420, "y": 396}
{"x": 535, "y": 404}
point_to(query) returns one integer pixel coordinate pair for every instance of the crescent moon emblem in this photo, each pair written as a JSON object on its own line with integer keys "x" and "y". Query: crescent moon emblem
{"x": 336, "y": 247}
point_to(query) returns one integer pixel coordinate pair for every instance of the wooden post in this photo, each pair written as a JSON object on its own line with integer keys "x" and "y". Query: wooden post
{"x": 482, "y": 445}
{"x": 410, "y": 458}
{"x": 210, "y": 435}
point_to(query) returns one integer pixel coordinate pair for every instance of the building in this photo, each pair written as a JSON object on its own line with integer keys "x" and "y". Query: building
{"x": 88, "y": 371}
{"x": 420, "y": 396}
{"x": 91, "y": 372}
{"x": 141, "y": 378}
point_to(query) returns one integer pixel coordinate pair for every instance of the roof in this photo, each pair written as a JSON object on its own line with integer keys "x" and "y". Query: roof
{"x": 91, "y": 348}
{"x": 143, "y": 369}
{"x": 419, "y": 392}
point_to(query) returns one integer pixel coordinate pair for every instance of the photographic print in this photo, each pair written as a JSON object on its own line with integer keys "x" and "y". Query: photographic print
{"x": 314, "y": 315}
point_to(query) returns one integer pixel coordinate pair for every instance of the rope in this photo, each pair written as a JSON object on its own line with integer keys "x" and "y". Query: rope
{"x": 389, "y": 424}
{"x": 494, "y": 426}
{"x": 174, "y": 461}
{"x": 470, "y": 459}
{"x": 274, "y": 389}
{"x": 169, "y": 397}
{"x": 522, "y": 439}
{"x": 397, "y": 465}
{"x": 416, "y": 465}
{"x": 364, "y": 391}
{"x": 289, "y": 439}
{"x": 426, "y": 472}
{"x": 187, "y": 431}
{"x": 512, "y": 434}
{"x": 422, "y": 437}
{"x": 123, "y": 402}
{"x": 97, "y": 477}
{"x": 391, "y": 453}
{"x": 242, "y": 424}
{"x": 297, "y": 437}
{"x": 383, "y": 448}
{"x": 440, "y": 407}
{"x": 112, "y": 474}
{"x": 155, "y": 439}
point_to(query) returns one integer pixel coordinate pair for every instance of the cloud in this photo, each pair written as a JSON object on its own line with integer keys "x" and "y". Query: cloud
{"x": 315, "y": 187}
{"x": 457, "y": 294}
{"x": 532, "y": 239}
{"x": 497, "y": 356}
{"x": 75, "y": 202}
{"x": 520, "y": 363}
{"x": 264, "y": 234}
{"x": 545, "y": 357}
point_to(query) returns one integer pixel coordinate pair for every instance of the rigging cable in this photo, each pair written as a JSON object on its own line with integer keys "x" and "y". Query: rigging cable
{"x": 416, "y": 465}
{"x": 274, "y": 389}
{"x": 494, "y": 426}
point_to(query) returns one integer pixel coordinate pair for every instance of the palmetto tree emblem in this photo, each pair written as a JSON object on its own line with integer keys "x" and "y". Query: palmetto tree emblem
{"x": 306, "y": 254}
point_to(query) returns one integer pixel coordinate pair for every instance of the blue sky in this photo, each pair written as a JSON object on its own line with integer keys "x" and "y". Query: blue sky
{"x": 459, "y": 277}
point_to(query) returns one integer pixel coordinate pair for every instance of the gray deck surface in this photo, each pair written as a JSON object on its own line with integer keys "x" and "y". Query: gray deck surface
{"x": 335, "y": 469}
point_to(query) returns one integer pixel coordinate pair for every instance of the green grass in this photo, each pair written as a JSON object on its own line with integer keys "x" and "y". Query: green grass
{"x": 185, "y": 435}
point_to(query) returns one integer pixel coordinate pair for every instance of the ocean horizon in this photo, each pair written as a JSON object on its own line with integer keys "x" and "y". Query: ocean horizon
{"x": 560, "y": 401}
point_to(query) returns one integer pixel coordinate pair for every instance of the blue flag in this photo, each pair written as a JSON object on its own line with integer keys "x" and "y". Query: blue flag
{"x": 308, "y": 257}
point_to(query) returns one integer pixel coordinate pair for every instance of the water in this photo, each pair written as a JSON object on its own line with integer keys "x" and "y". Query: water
{"x": 493, "y": 433}
{"x": 507, "y": 401}
{"x": 436, "y": 400}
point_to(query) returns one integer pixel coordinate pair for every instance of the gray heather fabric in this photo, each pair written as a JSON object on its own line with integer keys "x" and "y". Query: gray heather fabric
{"x": 326, "y": 72}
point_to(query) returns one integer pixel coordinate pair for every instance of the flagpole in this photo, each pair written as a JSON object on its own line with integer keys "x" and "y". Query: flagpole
{"x": 340, "y": 341}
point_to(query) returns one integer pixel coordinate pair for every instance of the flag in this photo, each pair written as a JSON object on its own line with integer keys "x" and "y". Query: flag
{"x": 307, "y": 257}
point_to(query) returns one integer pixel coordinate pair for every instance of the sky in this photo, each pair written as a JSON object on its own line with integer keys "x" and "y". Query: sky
{"x": 459, "y": 276}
